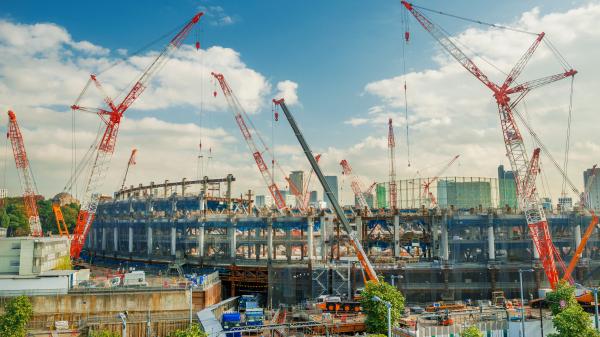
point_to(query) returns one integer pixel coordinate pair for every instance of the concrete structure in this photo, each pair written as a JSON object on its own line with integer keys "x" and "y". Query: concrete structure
{"x": 332, "y": 181}
{"x": 32, "y": 256}
{"x": 449, "y": 254}
{"x": 593, "y": 193}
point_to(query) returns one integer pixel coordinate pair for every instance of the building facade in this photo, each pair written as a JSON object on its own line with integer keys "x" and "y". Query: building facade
{"x": 507, "y": 188}
{"x": 593, "y": 192}
{"x": 27, "y": 256}
{"x": 332, "y": 182}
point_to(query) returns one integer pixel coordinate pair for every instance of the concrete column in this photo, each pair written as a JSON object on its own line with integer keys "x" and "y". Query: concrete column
{"x": 536, "y": 254}
{"x": 577, "y": 235}
{"x": 103, "y": 238}
{"x": 397, "y": 236}
{"x": 115, "y": 239}
{"x": 288, "y": 244}
{"x": 324, "y": 224}
{"x": 444, "y": 250}
{"x": 95, "y": 238}
{"x": 310, "y": 243}
{"x": 174, "y": 239}
{"x": 201, "y": 240}
{"x": 491, "y": 242}
{"x": 257, "y": 246}
{"x": 269, "y": 238}
{"x": 130, "y": 248}
{"x": 149, "y": 240}
{"x": 359, "y": 228}
{"x": 232, "y": 240}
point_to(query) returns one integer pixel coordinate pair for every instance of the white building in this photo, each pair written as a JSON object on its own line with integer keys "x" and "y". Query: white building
{"x": 32, "y": 256}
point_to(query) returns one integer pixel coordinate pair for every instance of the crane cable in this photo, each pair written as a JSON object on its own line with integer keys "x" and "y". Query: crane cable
{"x": 568, "y": 140}
{"x": 406, "y": 39}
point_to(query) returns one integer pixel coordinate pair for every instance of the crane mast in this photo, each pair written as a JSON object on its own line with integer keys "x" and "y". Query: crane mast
{"x": 238, "y": 112}
{"x": 106, "y": 146}
{"x": 513, "y": 140}
{"x": 25, "y": 175}
{"x": 360, "y": 253}
{"x": 392, "y": 157}
{"x": 355, "y": 184}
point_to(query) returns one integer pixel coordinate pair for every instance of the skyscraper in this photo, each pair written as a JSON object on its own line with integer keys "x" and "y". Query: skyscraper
{"x": 260, "y": 201}
{"x": 332, "y": 181}
{"x": 507, "y": 188}
{"x": 297, "y": 178}
{"x": 314, "y": 198}
{"x": 593, "y": 193}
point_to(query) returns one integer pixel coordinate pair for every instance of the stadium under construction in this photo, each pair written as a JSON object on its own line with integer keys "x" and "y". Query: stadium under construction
{"x": 446, "y": 253}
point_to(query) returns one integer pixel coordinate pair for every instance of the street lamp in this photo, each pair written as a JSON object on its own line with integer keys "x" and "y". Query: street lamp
{"x": 123, "y": 317}
{"x": 521, "y": 271}
{"x": 389, "y": 313}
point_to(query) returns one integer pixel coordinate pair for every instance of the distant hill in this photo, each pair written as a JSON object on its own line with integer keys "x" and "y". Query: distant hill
{"x": 12, "y": 216}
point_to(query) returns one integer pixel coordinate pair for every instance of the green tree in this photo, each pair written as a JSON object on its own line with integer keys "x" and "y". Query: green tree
{"x": 193, "y": 331}
{"x": 103, "y": 333}
{"x": 472, "y": 331}
{"x": 569, "y": 318}
{"x": 376, "y": 321}
{"x": 4, "y": 218}
{"x": 17, "y": 313}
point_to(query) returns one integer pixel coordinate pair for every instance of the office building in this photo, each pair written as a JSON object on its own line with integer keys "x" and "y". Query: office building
{"x": 593, "y": 192}
{"x": 332, "y": 182}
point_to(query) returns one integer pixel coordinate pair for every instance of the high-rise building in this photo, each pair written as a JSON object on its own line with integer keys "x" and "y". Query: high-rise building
{"x": 464, "y": 194}
{"x": 297, "y": 178}
{"x": 547, "y": 204}
{"x": 259, "y": 201}
{"x": 381, "y": 194}
{"x": 314, "y": 198}
{"x": 332, "y": 182}
{"x": 507, "y": 188}
{"x": 593, "y": 193}
{"x": 3, "y": 193}
{"x": 565, "y": 203}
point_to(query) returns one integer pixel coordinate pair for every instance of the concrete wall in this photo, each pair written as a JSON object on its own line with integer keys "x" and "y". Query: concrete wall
{"x": 34, "y": 286}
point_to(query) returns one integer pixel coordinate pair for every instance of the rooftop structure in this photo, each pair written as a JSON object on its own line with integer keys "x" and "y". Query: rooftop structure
{"x": 26, "y": 256}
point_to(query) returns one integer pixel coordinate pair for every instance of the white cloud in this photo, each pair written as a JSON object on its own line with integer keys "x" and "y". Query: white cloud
{"x": 289, "y": 91}
{"x": 217, "y": 16}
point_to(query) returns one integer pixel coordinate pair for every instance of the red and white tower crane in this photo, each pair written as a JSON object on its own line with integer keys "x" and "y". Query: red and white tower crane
{"x": 111, "y": 116}
{"x": 239, "y": 113}
{"x": 393, "y": 194}
{"x": 356, "y": 186}
{"x": 25, "y": 175}
{"x": 306, "y": 187}
{"x": 513, "y": 140}
{"x": 427, "y": 185}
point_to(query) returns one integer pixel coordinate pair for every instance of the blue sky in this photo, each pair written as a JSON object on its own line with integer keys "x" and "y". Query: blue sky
{"x": 331, "y": 49}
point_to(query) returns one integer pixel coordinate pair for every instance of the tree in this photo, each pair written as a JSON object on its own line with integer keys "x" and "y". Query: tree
{"x": 103, "y": 333}
{"x": 472, "y": 331}
{"x": 17, "y": 313}
{"x": 193, "y": 331}
{"x": 376, "y": 321}
{"x": 569, "y": 318}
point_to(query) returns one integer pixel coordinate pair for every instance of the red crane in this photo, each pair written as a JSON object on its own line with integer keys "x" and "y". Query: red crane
{"x": 238, "y": 113}
{"x": 25, "y": 175}
{"x": 106, "y": 146}
{"x": 307, "y": 184}
{"x": 427, "y": 185}
{"x": 356, "y": 186}
{"x": 515, "y": 148}
{"x": 392, "y": 157}
{"x": 130, "y": 163}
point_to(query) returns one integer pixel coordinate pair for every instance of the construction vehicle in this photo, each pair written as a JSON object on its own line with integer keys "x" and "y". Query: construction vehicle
{"x": 444, "y": 318}
{"x": 103, "y": 150}
{"x": 25, "y": 176}
{"x": 525, "y": 170}
{"x": 360, "y": 253}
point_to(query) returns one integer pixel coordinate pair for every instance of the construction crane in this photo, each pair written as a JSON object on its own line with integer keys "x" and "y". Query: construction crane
{"x": 306, "y": 187}
{"x": 25, "y": 175}
{"x": 104, "y": 149}
{"x": 356, "y": 186}
{"x": 130, "y": 163}
{"x": 239, "y": 113}
{"x": 513, "y": 140}
{"x": 392, "y": 158}
{"x": 427, "y": 184}
{"x": 360, "y": 253}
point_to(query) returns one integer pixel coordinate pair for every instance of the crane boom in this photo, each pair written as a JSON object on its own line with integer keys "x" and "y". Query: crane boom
{"x": 25, "y": 175}
{"x": 237, "y": 110}
{"x": 129, "y": 164}
{"x": 427, "y": 185}
{"x": 307, "y": 184}
{"x": 393, "y": 194}
{"x": 513, "y": 140}
{"x": 106, "y": 146}
{"x": 356, "y": 186}
{"x": 360, "y": 253}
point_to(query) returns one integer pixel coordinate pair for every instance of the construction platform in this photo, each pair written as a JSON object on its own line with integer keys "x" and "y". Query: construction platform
{"x": 291, "y": 257}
